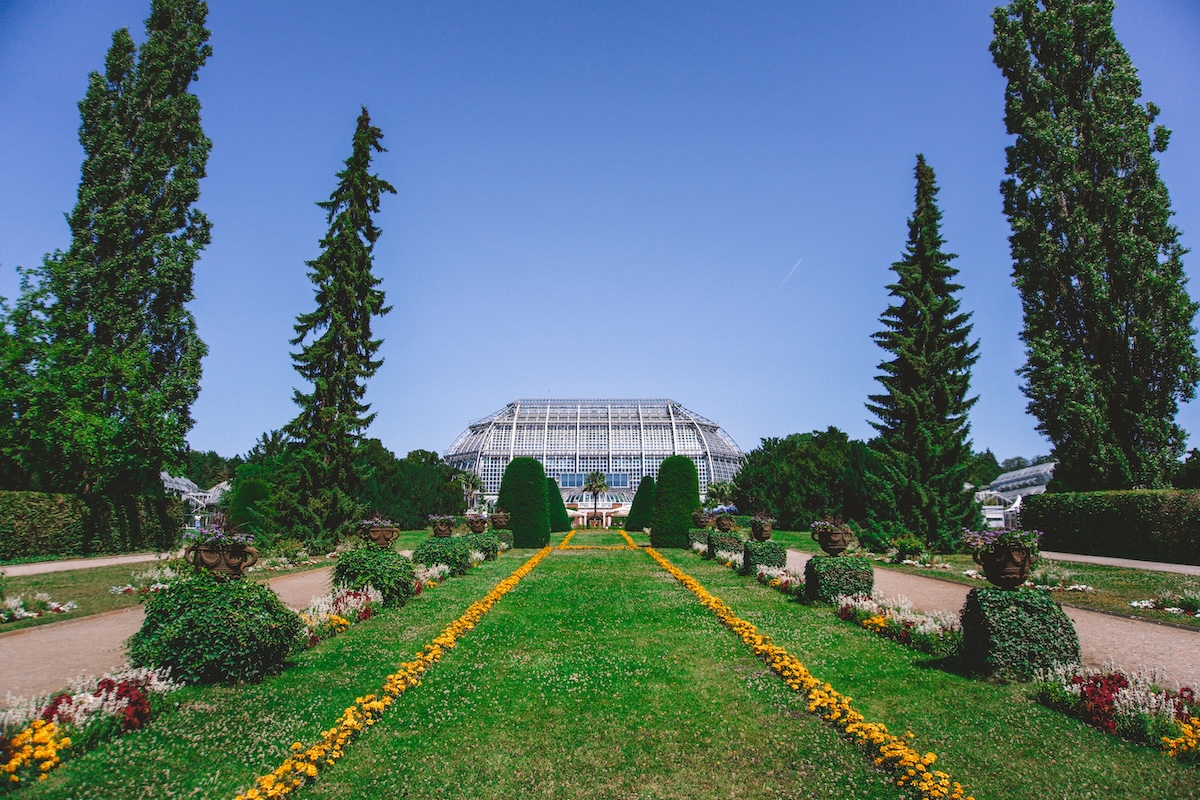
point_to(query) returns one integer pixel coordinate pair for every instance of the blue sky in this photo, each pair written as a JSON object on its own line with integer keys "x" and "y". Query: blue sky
{"x": 595, "y": 199}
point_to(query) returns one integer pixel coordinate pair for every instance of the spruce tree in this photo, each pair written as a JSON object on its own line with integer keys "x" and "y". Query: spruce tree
{"x": 642, "y": 509}
{"x": 337, "y": 350}
{"x": 110, "y": 360}
{"x": 924, "y": 454}
{"x": 1108, "y": 321}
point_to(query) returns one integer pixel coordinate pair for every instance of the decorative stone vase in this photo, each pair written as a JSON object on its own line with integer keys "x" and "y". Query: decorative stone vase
{"x": 499, "y": 520}
{"x": 760, "y": 530}
{"x": 725, "y": 523}
{"x": 833, "y": 542}
{"x": 701, "y": 519}
{"x": 477, "y": 524}
{"x": 1004, "y": 565}
{"x": 382, "y": 537}
{"x": 442, "y": 528}
{"x": 224, "y": 562}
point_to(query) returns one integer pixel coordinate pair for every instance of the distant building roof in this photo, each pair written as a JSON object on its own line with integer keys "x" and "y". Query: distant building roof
{"x": 1027, "y": 480}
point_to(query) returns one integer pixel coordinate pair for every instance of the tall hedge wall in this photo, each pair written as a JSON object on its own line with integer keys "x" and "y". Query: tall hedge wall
{"x": 676, "y": 496}
{"x": 1151, "y": 524}
{"x": 33, "y": 524}
{"x": 523, "y": 496}
{"x": 560, "y": 520}
{"x": 642, "y": 510}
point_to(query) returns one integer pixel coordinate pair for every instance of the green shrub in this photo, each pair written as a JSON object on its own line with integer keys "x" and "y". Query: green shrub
{"x": 560, "y": 520}
{"x": 487, "y": 543}
{"x": 385, "y": 569}
{"x": 1013, "y": 634}
{"x": 731, "y": 542}
{"x": 642, "y": 511}
{"x": 207, "y": 630}
{"x": 34, "y": 524}
{"x": 1152, "y": 524}
{"x": 676, "y": 496}
{"x": 243, "y": 498}
{"x": 762, "y": 554}
{"x": 698, "y": 536}
{"x": 451, "y": 551}
{"x": 504, "y": 535}
{"x": 523, "y": 496}
{"x": 827, "y": 578}
{"x": 909, "y": 547}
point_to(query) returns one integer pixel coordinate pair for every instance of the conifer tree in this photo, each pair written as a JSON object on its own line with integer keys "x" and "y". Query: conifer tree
{"x": 924, "y": 454}
{"x": 109, "y": 358}
{"x": 560, "y": 520}
{"x": 642, "y": 509}
{"x": 337, "y": 349}
{"x": 1108, "y": 321}
{"x": 676, "y": 496}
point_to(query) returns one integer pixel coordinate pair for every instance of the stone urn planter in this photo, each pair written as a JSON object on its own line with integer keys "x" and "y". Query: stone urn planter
{"x": 1006, "y": 566}
{"x": 382, "y": 536}
{"x": 499, "y": 520}
{"x": 701, "y": 519}
{"x": 226, "y": 561}
{"x": 477, "y": 524}
{"x": 760, "y": 529}
{"x": 443, "y": 528}
{"x": 725, "y": 523}
{"x": 833, "y": 541}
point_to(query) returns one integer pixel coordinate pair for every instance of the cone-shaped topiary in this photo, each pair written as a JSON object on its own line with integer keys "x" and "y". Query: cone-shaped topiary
{"x": 523, "y": 496}
{"x": 642, "y": 510}
{"x": 560, "y": 520}
{"x": 676, "y": 496}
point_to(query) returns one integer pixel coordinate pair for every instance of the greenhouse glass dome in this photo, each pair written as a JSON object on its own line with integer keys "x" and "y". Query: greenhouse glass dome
{"x": 625, "y": 439}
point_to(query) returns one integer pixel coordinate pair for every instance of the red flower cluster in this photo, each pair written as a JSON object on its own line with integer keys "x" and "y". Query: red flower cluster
{"x": 1097, "y": 693}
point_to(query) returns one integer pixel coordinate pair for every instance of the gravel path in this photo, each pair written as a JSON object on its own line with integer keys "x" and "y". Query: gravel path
{"x": 35, "y": 661}
{"x": 41, "y": 567}
{"x": 1103, "y": 638}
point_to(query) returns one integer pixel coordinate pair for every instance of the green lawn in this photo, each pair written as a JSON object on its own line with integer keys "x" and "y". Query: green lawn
{"x": 600, "y": 676}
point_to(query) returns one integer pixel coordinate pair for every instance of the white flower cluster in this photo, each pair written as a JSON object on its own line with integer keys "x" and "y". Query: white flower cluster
{"x": 87, "y": 701}
{"x": 22, "y": 607}
{"x": 700, "y": 547}
{"x": 476, "y": 557}
{"x": 342, "y": 601}
{"x": 433, "y": 572}
{"x": 729, "y": 557}
{"x": 1143, "y": 694}
{"x": 901, "y": 610}
{"x": 779, "y": 573}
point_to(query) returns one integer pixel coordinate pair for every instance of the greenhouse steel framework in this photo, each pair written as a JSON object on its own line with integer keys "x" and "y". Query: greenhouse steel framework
{"x": 625, "y": 439}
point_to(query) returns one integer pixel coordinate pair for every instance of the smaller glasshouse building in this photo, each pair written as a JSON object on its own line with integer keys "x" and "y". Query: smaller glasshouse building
{"x": 625, "y": 439}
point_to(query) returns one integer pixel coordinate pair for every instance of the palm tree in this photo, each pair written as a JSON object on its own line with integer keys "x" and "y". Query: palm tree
{"x": 720, "y": 493}
{"x": 471, "y": 485}
{"x": 595, "y": 484}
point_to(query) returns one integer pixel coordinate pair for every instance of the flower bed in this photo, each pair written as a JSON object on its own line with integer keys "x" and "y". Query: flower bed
{"x": 32, "y": 606}
{"x": 1132, "y": 706}
{"x": 938, "y": 633}
{"x": 1184, "y": 602}
{"x": 332, "y": 613}
{"x": 782, "y": 579}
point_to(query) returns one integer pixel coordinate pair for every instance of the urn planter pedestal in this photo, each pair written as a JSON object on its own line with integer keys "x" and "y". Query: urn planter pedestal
{"x": 224, "y": 562}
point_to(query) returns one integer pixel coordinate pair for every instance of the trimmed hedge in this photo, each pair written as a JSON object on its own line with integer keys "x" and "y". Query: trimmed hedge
{"x": 560, "y": 520}
{"x": 676, "y": 495}
{"x": 487, "y": 543}
{"x": 732, "y": 542}
{"x": 523, "y": 496}
{"x": 207, "y": 630}
{"x": 827, "y": 578}
{"x": 641, "y": 512}
{"x": 34, "y": 524}
{"x": 699, "y": 535}
{"x": 388, "y": 571}
{"x": 762, "y": 554}
{"x": 1014, "y": 634}
{"x": 449, "y": 550}
{"x": 504, "y": 535}
{"x": 1151, "y": 524}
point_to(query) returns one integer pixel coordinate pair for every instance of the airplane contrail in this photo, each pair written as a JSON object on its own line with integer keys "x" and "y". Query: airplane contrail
{"x": 785, "y": 280}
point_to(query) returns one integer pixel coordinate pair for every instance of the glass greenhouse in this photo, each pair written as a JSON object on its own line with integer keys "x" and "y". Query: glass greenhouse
{"x": 624, "y": 439}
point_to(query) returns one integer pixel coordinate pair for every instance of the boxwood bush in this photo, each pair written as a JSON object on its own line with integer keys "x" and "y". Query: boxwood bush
{"x": 207, "y": 630}
{"x": 451, "y": 551}
{"x": 1158, "y": 525}
{"x": 698, "y": 536}
{"x": 762, "y": 554}
{"x": 731, "y": 542}
{"x": 1014, "y": 634}
{"x": 523, "y": 496}
{"x": 560, "y": 520}
{"x": 504, "y": 535}
{"x": 487, "y": 543}
{"x": 642, "y": 510}
{"x": 827, "y": 578}
{"x": 676, "y": 495}
{"x": 385, "y": 569}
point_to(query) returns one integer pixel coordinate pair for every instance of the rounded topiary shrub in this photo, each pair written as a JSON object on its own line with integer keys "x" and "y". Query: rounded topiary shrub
{"x": 676, "y": 496}
{"x": 642, "y": 510}
{"x": 389, "y": 572}
{"x": 207, "y": 630}
{"x": 452, "y": 551}
{"x": 1014, "y": 634}
{"x": 560, "y": 520}
{"x": 523, "y": 496}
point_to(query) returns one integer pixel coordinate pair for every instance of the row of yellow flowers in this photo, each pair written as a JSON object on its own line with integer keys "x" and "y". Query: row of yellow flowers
{"x": 305, "y": 762}
{"x": 34, "y": 751}
{"x": 565, "y": 544}
{"x": 890, "y": 752}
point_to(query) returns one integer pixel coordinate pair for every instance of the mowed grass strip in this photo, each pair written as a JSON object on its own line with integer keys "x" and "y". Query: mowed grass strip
{"x": 600, "y": 677}
{"x": 219, "y": 739}
{"x": 994, "y": 739}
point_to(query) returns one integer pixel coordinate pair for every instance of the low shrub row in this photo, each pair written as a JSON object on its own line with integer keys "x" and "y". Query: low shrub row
{"x": 762, "y": 554}
{"x": 727, "y": 542}
{"x": 826, "y": 579}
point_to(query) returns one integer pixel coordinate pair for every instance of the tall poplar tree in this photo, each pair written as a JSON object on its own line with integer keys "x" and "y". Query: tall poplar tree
{"x": 1108, "y": 321}
{"x": 108, "y": 357}
{"x": 337, "y": 352}
{"x": 923, "y": 451}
